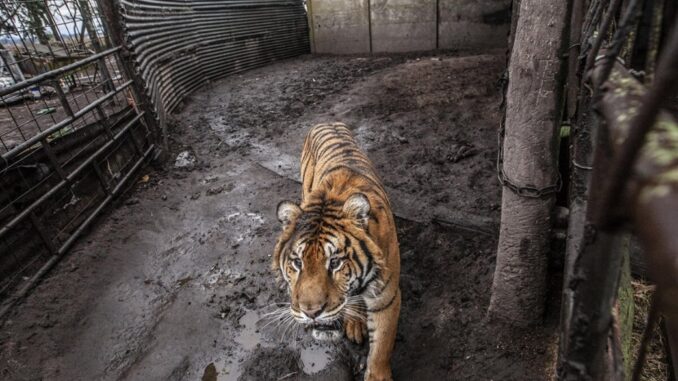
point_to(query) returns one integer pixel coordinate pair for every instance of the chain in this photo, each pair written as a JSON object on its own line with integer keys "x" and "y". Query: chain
{"x": 528, "y": 191}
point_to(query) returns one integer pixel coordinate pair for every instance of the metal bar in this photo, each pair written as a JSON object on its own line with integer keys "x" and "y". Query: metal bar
{"x": 100, "y": 176}
{"x": 573, "y": 61}
{"x": 654, "y": 38}
{"x": 592, "y": 18}
{"x": 104, "y": 121}
{"x": 5, "y": 229}
{"x": 204, "y": 5}
{"x": 36, "y": 138}
{"x": 11, "y": 65}
{"x": 136, "y": 144}
{"x": 629, "y": 21}
{"x": 55, "y": 73}
{"x": 111, "y": 17}
{"x": 602, "y": 34}
{"x": 86, "y": 13}
{"x": 66, "y": 245}
{"x": 53, "y": 159}
{"x": 41, "y": 232}
{"x": 62, "y": 98}
{"x": 84, "y": 225}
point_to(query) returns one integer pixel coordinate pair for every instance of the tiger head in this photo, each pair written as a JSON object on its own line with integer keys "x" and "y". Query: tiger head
{"x": 327, "y": 259}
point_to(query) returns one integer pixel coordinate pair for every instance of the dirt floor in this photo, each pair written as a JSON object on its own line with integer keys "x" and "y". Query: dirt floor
{"x": 175, "y": 283}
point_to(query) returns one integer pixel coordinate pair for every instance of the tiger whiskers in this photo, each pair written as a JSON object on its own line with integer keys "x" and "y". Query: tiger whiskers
{"x": 289, "y": 325}
{"x": 276, "y": 311}
{"x": 355, "y": 308}
{"x": 277, "y": 317}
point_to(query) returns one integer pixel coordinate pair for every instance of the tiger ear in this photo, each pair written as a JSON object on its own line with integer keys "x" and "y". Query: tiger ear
{"x": 287, "y": 212}
{"x": 357, "y": 208}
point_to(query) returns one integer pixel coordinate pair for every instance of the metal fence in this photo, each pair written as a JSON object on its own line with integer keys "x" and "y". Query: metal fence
{"x": 623, "y": 76}
{"x": 71, "y": 134}
{"x": 83, "y": 84}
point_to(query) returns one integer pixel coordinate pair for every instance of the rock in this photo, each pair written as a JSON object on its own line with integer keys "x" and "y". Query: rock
{"x": 210, "y": 373}
{"x": 215, "y": 190}
{"x": 185, "y": 159}
{"x": 210, "y": 179}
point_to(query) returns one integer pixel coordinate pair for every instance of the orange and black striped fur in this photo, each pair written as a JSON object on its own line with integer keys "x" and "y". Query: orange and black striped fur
{"x": 338, "y": 250}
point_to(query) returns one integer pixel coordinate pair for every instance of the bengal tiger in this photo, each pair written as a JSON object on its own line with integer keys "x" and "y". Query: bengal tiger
{"x": 338, "y": 251}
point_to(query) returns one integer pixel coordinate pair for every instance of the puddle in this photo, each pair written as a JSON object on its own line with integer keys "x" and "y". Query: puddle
{"x": 314, "y": 359}
{"x": 225, "y": 370}
{"x": 229, "y": 368}
{"x": 249, "y": 336}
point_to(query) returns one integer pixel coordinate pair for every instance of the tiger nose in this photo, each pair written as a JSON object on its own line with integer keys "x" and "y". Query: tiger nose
{"x": 313, "y": 311}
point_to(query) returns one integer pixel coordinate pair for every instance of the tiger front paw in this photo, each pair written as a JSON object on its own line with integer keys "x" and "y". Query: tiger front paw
{"x": 356, "y": 330}
{"x": 378, "y": 374}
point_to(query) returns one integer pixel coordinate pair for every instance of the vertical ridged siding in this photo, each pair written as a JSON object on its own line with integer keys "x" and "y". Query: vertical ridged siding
{"x": 180, "y": 46}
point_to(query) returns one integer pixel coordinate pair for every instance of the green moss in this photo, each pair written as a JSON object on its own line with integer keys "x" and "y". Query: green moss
{"x": 626, "y": 306}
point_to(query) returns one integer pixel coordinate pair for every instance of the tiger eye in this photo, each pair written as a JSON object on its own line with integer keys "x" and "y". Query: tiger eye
{"x": 335, "y": 263}
{"x": 297, "y": 263}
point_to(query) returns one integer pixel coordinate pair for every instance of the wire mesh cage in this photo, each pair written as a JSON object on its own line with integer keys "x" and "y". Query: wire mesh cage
{"x": 71, "y": 132}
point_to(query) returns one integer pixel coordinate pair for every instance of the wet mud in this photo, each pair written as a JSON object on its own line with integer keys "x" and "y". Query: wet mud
{"x": 175, "y": 282}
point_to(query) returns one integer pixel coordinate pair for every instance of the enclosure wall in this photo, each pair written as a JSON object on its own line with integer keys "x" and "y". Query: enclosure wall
{"x": 364, "y": 26}
{"x": 180, "y": 46}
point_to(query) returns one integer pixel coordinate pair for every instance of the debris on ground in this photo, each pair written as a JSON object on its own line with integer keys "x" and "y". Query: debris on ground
{"x": 185, "y": 159}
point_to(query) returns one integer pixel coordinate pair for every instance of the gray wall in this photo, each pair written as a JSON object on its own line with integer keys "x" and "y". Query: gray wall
{"x": 403, "y": 25}
{"x": 364, "y": 26}
{"x": 340, "y": 26}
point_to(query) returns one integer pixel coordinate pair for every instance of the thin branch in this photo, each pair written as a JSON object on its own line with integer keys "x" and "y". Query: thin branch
{"x": 630, "y": 19}
{"x": 602, "y": 33}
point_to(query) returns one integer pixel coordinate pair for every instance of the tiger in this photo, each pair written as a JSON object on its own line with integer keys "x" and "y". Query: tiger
{"x": 338, "y": 249}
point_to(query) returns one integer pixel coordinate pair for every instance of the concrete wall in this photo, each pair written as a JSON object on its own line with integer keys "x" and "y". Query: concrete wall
{"x": 364, "y": 26}
{"x": 473, "y": 23}
{"x": 339, "y": 26}
{"x": 403, "y": 25}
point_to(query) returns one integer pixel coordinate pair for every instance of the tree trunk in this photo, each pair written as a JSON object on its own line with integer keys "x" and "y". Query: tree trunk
{"x": 531, "y": 131}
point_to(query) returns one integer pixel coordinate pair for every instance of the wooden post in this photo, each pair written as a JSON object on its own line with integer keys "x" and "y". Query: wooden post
{"x": 529, "y": 172}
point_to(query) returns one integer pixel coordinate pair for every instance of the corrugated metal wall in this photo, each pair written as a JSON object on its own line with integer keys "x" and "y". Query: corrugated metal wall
{"x": 181, "y": 45}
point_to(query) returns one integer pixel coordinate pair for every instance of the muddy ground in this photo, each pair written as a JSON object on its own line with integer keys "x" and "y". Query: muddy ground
{"x": 175, "y": 282}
